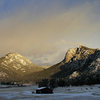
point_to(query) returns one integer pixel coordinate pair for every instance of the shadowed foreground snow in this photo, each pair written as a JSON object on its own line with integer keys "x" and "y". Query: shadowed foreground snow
{"x": 66, "y": 93}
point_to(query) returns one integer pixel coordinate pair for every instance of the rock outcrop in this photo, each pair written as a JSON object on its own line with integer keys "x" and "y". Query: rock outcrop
{"x": 80, "y": 66}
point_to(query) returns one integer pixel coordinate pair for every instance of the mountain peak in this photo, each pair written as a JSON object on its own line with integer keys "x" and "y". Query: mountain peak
{"x": 78, "y": 53}
{"x": 14, "y": 66}
{"x": 85, "y": 48}
{"x": 13, "y": 54}
{"x": 81, "y": 46}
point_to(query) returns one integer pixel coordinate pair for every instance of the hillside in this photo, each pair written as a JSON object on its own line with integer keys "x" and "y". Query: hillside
{"x": 15, "y": 67}
{"x": 80, "y": 66}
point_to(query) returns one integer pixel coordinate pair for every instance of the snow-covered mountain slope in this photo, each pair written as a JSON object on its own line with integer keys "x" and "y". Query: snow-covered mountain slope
{"x": 15, "y": 66}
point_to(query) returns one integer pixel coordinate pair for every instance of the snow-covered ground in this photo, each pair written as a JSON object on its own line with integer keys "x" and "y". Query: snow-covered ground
{"x": 65, "y": 93}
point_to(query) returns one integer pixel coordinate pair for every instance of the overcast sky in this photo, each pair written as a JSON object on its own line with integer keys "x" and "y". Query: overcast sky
{"x": 43, "y": 30}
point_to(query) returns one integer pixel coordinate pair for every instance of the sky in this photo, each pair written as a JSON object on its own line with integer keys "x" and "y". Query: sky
{"x": 43, "y": 30}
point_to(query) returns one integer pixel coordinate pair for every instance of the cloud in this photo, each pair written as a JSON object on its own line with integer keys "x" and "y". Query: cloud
{"x": 43, "y": 34}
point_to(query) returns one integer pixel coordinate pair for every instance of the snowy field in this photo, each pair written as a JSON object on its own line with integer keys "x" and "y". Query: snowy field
{"x": 66, "y": 93}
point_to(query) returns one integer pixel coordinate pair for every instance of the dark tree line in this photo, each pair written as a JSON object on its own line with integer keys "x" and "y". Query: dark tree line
{"x": 61, "y": 82}
{"x": 52, "y": 83}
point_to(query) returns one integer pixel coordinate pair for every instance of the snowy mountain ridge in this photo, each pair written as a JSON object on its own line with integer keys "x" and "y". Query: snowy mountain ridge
{"x": 14, "y": 66}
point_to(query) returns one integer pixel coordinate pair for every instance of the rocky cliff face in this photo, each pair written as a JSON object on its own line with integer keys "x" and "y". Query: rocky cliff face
{"x": 80, "y": 66}
{"x": 79, "y": 53}
{"x": 14, "y": 66}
